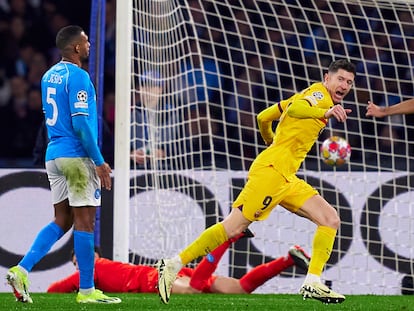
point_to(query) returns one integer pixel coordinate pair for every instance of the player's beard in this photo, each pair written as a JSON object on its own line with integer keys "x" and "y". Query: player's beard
{"x": 85, "y": 58}
{"x": 85, "y": 61}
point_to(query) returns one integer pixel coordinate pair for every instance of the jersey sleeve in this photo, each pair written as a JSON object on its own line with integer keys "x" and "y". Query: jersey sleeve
{"x": 84, "y": 132}
{"x": 312, "y": 103}
{"x": 303, "y": 109}
{"x": 265, "y": 121}
{"x": 79, "y": 93}
{"x": 82, "y": 104}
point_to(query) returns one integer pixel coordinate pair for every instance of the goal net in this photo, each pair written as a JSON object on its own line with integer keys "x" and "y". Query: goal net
{"x": 201, "y": 70}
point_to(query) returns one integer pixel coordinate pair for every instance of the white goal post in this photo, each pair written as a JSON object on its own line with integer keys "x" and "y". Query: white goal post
{"x": 191, "y": 76}
{"x": 122, "y": 128}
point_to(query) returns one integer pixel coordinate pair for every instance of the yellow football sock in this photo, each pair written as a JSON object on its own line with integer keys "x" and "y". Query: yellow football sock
{"x": 322, "y": 245}
{"x": 208, "y": 240}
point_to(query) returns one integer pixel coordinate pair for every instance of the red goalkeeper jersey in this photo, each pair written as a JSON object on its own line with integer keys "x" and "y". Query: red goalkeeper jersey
{"x": 116, "y": 277}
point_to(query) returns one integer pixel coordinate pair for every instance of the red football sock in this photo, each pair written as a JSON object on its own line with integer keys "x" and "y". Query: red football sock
{"x": 264, "y": 272}
{"x": 208, "y": 265}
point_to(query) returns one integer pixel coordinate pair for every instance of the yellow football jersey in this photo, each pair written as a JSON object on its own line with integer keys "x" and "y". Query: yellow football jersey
{"x": 301, "y": 120}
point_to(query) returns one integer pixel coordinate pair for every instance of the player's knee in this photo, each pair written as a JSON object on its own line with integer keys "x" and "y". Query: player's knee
{"x": 333, "y": 221}
{"x": 234, "y": 229}
{"x": 235, "y": 223}
{"x": 234, "y": 233}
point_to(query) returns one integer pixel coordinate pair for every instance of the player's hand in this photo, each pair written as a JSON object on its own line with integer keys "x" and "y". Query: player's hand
{"x": 104, "y": 172}
{"x": 138, "y": 156}
{"x": 338, "y": 112}
{"x": 374, "y": 110}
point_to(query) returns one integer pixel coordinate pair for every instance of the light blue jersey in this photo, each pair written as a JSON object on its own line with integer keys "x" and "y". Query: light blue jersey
{"x": 67, "y": 92}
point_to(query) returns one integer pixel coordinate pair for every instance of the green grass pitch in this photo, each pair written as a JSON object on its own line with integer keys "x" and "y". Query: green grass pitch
{"x": 213, "y": 302}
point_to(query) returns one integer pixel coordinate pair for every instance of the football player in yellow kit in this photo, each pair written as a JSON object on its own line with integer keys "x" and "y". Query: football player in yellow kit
{"x": 272, "y": 180}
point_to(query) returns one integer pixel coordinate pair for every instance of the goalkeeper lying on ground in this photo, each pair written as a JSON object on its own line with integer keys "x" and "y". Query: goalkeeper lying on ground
{"x": 113, "y": 276}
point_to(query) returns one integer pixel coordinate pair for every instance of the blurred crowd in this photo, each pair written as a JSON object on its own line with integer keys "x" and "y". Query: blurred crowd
{"x": 272, "y": 65}
{"x": 27, "y": 36}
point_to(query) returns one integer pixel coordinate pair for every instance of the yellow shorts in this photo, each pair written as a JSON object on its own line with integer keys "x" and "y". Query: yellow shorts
{"x": 266, "y": 188}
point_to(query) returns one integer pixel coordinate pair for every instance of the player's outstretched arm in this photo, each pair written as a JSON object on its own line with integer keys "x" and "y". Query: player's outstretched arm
{"x": 404, "y": 107}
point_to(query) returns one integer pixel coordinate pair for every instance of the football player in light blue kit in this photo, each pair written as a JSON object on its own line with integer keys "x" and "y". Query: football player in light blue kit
{"x": 75, "y": 166}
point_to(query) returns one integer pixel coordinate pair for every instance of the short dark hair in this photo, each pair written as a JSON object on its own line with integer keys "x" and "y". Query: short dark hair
{"x": 342, "y": 64}
{"x": 67, "y": 35}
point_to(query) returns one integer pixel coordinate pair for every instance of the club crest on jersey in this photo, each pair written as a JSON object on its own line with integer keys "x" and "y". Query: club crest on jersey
{"x": 258, "y": 213}
{"x": 318, "y": 95}
{"x": 82, "y": 97}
